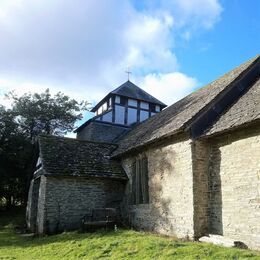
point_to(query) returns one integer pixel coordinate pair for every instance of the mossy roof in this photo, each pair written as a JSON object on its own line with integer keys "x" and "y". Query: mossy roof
{"x": 71, "y": 157}
{"x": 181, "y": 114}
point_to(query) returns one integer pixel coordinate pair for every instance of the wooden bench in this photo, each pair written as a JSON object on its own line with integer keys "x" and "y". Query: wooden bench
{"x": 99, "y": 217}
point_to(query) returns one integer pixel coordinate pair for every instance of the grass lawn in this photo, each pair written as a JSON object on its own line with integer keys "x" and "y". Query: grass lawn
{"x": 123, "y": 244}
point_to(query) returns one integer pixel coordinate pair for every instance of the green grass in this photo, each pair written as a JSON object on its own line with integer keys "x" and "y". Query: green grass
{"x": 123, "y": 244}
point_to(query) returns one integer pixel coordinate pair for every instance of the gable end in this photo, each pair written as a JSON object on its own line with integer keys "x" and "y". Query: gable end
{"x": 224, "y": 100}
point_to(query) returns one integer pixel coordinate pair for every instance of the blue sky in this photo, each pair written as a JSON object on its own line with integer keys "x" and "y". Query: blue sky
{"x": 233, "y": 40}
{"x": 82, "y": 48}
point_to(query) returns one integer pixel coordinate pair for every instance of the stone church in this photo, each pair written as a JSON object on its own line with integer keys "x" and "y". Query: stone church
{"x": 186, "y": 170}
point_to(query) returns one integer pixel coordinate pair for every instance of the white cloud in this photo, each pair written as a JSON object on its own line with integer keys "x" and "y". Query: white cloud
{"x": 83, "y": 47}
{"x": 149, "y": 44}
{"x": 194, "y": 14}
{"x": 25, "y": 87}
{"x": 169, "y": 87}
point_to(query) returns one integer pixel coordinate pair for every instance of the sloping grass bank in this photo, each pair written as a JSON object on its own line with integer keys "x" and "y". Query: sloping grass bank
{"x": 123, "y": 244}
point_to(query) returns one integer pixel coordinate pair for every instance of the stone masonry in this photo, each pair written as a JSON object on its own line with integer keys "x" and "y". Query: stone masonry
{"x": 200, "y": 163}
{"x": 170, "y": 210}
{"x": 201, "y": 187}
{"x": 64, "y": 201}
{"x": 234, "y": 196}
{"x": 196, "y": 165}
{"x": 32, "y": 204}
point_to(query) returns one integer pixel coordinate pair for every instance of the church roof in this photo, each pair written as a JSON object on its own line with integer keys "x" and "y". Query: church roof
{"x": 243, "y": 112}
{"x": 130, "y": 90}
{"x": 62, "y": 156}
{"x": 181, "y": 114}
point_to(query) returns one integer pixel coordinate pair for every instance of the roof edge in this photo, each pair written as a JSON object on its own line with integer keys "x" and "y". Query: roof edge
{"x": 99, "y": 122}
{"x": 231, "y": 129}
{"x": 136, "y": 148}
{"x": 125, "y": 178}
{"x": 158, "y": 102}
{"x": 77, "y": 140}
{"x": 188, "y": 125}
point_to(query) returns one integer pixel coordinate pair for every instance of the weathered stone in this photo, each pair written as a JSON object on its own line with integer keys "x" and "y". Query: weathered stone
{"x": 64, "y": 201}
{"x": 170, "y": 209}
{"x": 201, "y": 181}
{"x": 32, "y": 204}
{"x": 234, "y": 187}
{"x": 200, "y": 164}
{"x": 222, "y": 241}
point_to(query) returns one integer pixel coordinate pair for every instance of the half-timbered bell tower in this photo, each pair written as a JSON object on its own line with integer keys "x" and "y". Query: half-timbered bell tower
{"x": 117, "y": 112}
{"x": 126, "y": 105}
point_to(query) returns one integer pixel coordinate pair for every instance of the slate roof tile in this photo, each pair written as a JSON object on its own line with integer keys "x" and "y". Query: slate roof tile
{"x": 244, "y": 111}
{"x": 67, "y": 156}
{"x": 177, "y": 116}
{"x": 130, "y": 90}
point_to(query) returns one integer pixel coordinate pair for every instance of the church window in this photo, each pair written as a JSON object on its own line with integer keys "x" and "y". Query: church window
{"x": 143, "y": 115}
{"x": 132, "y": 102}
{"x": 144, "y": 105}
{"x": 157, "y": 108}
{"x": 140, "y": 188}
{"x": 131, "y": 116}
{"x": 119, "y": 114}
{"x": 117, "y": 99}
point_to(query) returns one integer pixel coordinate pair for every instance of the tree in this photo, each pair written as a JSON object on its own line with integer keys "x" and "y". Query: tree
{"x": 30, "y": 115}
{"x": 43, "y": 113}
{"x": 13, "y": 153}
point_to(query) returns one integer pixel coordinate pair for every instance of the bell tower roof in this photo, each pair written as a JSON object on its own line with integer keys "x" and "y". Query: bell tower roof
{"x": 130, "y": 90}
{"x": 123, "y": 107}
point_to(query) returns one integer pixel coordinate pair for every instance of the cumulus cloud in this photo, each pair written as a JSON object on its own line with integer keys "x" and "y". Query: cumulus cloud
{"x": 190, "y": 14}
{"x": 149, "y": 44}
{"x": 22, "y": 87}
{"x": 83, "y": 47}
{"x": 169, "y": 87}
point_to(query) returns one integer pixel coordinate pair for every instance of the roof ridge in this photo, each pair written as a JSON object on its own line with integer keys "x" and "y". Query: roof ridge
{"x": 128, "y": 81}
{"x": 226, "y": 89}
{"x": 250, "y": 61}
{"x": 174, "y": 118}
{"x": 124, "y": 85}
{"x": 119, "y": 87}
{"x": 74, "y": 139}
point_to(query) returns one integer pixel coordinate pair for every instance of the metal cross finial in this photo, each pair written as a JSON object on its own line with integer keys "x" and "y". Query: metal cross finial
{"x": 128, "y": 72}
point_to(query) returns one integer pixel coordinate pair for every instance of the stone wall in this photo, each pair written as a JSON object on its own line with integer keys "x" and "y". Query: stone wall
{"x": 41, "y": 210}
{"x": 101, "y": 132}
{"x": 200, "y": 164}
{"x": 170, "y": 209}
{"x": 235, "y": 186}
{"x": 66, "y": 200}
{"x": 32, "y": 204}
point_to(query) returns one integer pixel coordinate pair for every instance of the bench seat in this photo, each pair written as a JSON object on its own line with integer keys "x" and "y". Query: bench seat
{"x": 99, "y": 217}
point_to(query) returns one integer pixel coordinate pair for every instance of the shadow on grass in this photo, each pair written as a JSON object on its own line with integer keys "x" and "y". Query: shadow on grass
{"x": 11, "y": 221}
{"x": 15, "y": 217}
{"x": 123, "y": 244}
